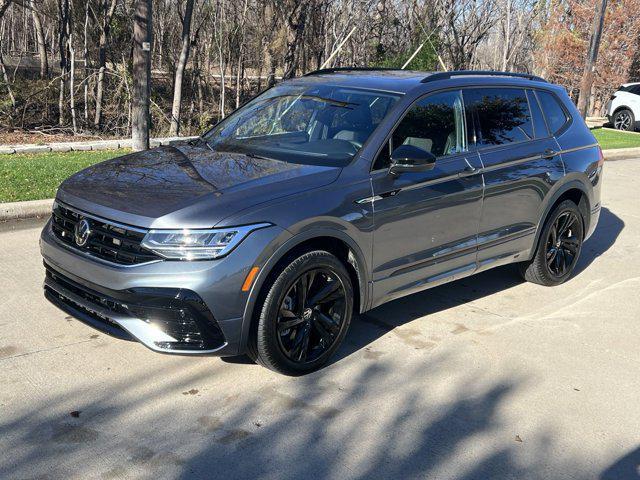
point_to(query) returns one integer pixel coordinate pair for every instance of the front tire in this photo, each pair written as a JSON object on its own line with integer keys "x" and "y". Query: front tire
{"x": 305, "y": 315}
{"x": 624, "y": 120}
{"x": 558, "y": 248}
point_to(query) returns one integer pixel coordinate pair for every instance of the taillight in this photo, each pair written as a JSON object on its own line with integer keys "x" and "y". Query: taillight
{"x": 600, "y": 156}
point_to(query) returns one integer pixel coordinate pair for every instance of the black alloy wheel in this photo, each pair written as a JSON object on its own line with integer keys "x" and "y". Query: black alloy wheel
{"x": 311, "y": 315}
{"x": 304, "y": 315}
{"x": 563, "y": 244}
{"x": 558, "y": 248}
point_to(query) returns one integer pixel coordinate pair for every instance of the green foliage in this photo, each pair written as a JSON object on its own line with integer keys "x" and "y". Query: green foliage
{"x": 426, "y": 59}
{"x": 37, "y": 176}
{"x": 610, "y": 139}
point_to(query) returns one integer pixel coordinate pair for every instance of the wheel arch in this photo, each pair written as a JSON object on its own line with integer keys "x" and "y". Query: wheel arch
{"x": 634, "y": 116}
{"x": 329, "y": 239}
{"x": 575, "y": 191}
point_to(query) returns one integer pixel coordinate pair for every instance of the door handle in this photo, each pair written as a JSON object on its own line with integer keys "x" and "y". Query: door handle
{"x": 548, "y": 153}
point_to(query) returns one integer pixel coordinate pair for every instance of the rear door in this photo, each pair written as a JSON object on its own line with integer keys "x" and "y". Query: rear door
{"x": 521, "y": 163}
{"x": 426, "y": 222}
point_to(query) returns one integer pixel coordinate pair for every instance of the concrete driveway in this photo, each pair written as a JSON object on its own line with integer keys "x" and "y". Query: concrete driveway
{"x": 485, "y": 378}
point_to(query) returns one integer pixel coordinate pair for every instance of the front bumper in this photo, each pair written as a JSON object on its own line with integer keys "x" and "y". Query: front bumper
{"x": 169, "y": 306}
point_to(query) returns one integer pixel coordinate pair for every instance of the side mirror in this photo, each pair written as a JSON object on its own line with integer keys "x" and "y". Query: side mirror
{"x": 407, "y": 158}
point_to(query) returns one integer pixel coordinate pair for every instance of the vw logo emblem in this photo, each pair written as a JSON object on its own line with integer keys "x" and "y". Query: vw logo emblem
{"x": 82, "y": 231}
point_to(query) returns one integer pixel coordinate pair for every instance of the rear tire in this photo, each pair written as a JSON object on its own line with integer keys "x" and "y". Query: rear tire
{"x": 624, "y": 120}
{"x": 558, "y": 248}
{"x": 304, "y": 316}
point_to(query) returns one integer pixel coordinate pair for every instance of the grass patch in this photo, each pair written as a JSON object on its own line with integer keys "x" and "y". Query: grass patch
{"x": 37, "y": 176}
{"x": 610, "y": 139}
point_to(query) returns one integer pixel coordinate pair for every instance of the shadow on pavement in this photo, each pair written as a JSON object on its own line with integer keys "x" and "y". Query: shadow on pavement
{"x": 609, "y": 228}
{"x": 370, "y": 326}
{"x": 380, "y": 421}
{"x": 627, "y": 468}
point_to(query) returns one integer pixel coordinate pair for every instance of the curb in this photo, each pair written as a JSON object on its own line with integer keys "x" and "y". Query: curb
{"x": 29, "y": 209}
{"x": 86, "y": 146}
{"x": 621, "y": 153}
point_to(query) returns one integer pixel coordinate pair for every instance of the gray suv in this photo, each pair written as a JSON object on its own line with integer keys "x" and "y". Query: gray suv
{"x": 322, "y": 198}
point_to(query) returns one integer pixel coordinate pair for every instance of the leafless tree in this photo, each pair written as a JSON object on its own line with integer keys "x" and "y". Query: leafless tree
{"x": 182, "y": 62}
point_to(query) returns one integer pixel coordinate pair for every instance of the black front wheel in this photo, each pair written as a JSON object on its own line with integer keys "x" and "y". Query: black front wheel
{"x": 558, "y": 248}
{"x": 305, "y": 315}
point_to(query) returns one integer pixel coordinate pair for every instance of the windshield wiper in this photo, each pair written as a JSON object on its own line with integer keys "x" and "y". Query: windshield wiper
{"x": 330, "y": 101}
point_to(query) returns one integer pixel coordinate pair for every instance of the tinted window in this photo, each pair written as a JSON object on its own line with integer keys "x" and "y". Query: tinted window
{"x": 434, "y": 123}
{"x": 539, "y": 125}
{"x": 634, "y": 89}
{"x": 503, "y": 115}
{"x": 553, "y": 111}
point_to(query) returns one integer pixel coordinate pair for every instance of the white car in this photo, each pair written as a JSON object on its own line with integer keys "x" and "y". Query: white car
{"x": 623, "y": 109}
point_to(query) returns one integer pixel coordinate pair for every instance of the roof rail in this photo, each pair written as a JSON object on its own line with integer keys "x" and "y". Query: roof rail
{"x": 347, "y": 69}
{"x": 471, "y": 73}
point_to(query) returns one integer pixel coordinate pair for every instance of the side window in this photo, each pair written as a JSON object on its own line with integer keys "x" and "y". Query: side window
{"x": 539, "y": 125}
{"x": 434, "y": 123}
{"x": 554, "y": 112}
{"x": 635, "y": 89}
{"x": 502, "y": 113}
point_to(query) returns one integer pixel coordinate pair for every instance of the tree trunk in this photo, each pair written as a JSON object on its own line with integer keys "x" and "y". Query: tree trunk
{"x": 63, "y": 11}
{"x": 42, "y": 45}
{"x": 142, "y": 38}
{"x": 507, "y": 38}
{"x": 102, "y": 61}
{"x": 5, "y": 77}
{"x": 592, "y": 57}
{"x": 182, "y": 62}
{"x": 295, "y": 28}
{"x": 72, "y": 77}
{"x": 85, "y": 57}
{"x": 4, "y": 4}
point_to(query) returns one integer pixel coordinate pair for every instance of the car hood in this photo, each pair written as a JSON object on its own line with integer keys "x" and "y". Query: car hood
{"x": 186, "y": 186}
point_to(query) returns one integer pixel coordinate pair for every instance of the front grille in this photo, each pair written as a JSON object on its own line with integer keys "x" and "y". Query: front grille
{"x": 107, "y": 241}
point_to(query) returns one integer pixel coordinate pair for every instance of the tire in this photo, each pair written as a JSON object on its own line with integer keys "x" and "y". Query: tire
{"x": 324, "y": 323}
{"x": 545, "y": 268}
{"x": 624, "y": 120}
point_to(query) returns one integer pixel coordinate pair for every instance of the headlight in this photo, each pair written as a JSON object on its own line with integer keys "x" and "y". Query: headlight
{"x": 189, "y": 244}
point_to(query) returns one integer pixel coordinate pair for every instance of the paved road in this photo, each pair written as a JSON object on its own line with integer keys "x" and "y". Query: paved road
{"x": 485, "y": 378}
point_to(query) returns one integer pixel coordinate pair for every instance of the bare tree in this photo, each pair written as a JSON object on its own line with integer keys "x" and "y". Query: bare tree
{"x": 589, "y": 66}
{"x": 108, "y": 9}
{"x": 63, "y": 45}
{"x": 295, "y": 14}
{"x": 42, "y": 44}
{"x": 182, "y": 62}
{"x": 4, "y": 4}
{"x": 463, "y": 25}
{"x": 142, "y": 38}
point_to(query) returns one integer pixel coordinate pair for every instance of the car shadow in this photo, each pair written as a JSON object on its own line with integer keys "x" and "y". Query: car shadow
{"x": 368, "y": 327}
{"x": 626, "y": 468}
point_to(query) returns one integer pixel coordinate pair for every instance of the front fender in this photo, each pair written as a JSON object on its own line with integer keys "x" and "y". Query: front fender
{"x": 309, "y": 233}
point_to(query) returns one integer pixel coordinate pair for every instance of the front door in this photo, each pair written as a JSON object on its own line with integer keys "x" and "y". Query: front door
{"x": 426, "y": 223}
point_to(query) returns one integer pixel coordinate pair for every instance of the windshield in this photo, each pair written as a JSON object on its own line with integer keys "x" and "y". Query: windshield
{"x": 316, "y": 125}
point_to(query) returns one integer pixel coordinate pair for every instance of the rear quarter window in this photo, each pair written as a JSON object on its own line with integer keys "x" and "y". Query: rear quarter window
{"x": 553, "y": 110}
{"x": 502, "y": 113}
{"x": 539, "y": 123}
